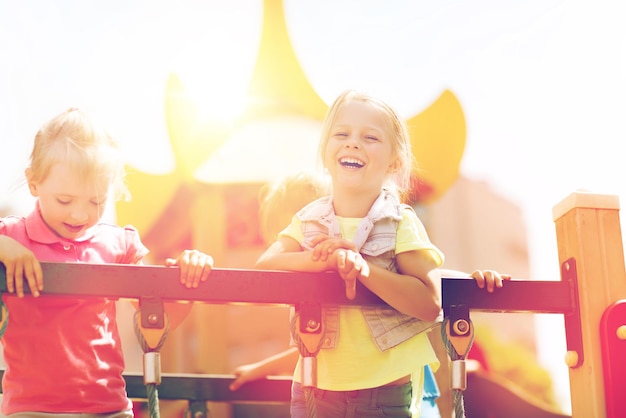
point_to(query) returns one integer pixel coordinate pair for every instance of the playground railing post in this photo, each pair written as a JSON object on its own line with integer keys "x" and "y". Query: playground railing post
{"x": 588, "y": 231}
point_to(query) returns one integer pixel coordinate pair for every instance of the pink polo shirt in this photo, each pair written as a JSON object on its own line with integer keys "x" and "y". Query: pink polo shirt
{"x": 64, "y": 354}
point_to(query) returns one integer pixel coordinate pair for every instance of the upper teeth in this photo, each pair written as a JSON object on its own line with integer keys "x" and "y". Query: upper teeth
{"x": 351, "y": 161}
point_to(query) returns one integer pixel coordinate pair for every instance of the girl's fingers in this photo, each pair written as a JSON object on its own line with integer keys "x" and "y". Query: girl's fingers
{"x": 10, "y": 277}
{"x": 194, "y": 265}
{"x": 351, "y": 288}
{"x": 38, "y": 276}
{"x": 18, "y": 279}
{"x": 341, "y": 259}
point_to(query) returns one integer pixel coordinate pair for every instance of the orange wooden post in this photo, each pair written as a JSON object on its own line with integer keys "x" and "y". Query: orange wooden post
{"x": 588, "y": 231}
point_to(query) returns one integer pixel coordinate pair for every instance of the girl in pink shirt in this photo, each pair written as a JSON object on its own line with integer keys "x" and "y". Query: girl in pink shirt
{"x": 63, "y": 355}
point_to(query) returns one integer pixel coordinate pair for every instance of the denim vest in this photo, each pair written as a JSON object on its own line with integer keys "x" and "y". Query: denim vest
{"x": 376, "y": 241}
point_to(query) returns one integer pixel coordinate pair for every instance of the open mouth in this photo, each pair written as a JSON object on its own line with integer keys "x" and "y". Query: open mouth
{"x": 351, "y": 162}
{"x": 74, "y": 228}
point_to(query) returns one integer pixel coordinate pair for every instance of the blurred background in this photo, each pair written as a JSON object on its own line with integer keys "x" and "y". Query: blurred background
{"x": 511, "y": 107}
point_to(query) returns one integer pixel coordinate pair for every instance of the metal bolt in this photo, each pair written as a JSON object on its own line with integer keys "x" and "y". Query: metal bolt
{"x": 312, "y": 325}
{"x": 153, "y": 319}
{"x": 461, "y": 326}
{"x": 621, "y": 332}
{"x": 571, "y": 358}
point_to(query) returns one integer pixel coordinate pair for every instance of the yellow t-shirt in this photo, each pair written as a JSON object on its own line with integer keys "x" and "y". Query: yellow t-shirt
{"x": 356, "y": 362}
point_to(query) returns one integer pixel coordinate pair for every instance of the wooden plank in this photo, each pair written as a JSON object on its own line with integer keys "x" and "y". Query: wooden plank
{"x": 588, "y": 231}
{"x": 240, "y": 286}
{"x": 212, "y": 387}
{"x": 209, "y": 387}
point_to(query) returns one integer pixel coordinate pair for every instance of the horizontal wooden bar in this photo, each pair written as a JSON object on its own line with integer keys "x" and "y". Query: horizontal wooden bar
{"x": 241, "y": 286}
{"x": 212, "y": 387}
{"x": 515, "y": 296}
{"x": 209, "y": 387}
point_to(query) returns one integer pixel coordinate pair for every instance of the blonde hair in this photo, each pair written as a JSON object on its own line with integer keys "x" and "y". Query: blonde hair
{"x": 72, "y": 138}
{"x": 401, "y": 143}
{"x": 283, "y": 199}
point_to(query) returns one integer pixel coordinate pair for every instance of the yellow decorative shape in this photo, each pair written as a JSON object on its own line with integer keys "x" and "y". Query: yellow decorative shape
{"x": 279, "y": 89}
{"x": 150, "y": 195}
{"x": 193, "y": 138}
{"x": 279, "y": 86}
{"x": 438, "y": 142}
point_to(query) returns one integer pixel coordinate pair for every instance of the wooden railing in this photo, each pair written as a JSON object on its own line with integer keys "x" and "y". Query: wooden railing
{"x": 591, "y": 294}
{"x": 152, "y": 285}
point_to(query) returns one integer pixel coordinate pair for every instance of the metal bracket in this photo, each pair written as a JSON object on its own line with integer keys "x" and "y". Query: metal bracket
{"x": 152, "y": 312}
{"x": 198, "y": 409}
{"x": 459, "y": 316}
{"x": 310, "y": 318}
{"x": 573, "y": 330}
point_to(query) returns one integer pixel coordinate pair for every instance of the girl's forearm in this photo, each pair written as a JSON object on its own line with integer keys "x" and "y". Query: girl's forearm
{"x": 281, "y": 363}
{"x": 405, "y": 293}
{"x": 292, "y": 261}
